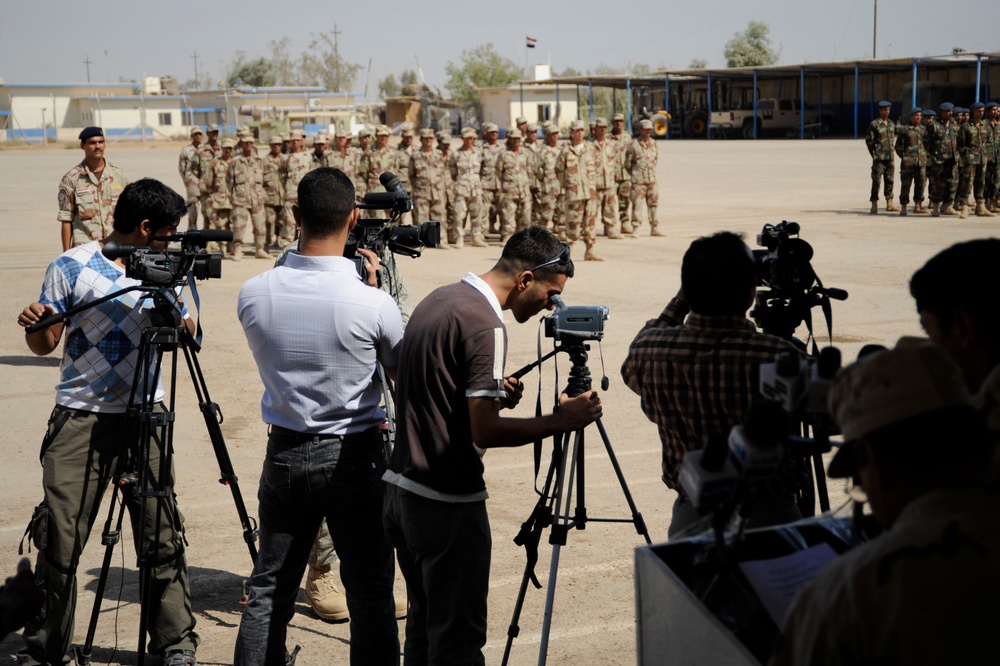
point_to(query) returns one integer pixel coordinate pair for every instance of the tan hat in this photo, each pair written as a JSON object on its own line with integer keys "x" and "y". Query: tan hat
{"x": 211, "y": 128}
{"x": 600, "y": 122}
{"x": 576, "y": 125}
{"x": 520, "y": 120}
{"x": 645, "y": 124}
{"x": 407, "y": 129}
{"x": 296, "y": 134}
{"x": 382, "y": 130}
{"x": 426, "y": 132}
{"x": 196, "y": 130}
{"x": 468, "y": 132}
{"x": 249, "y": 138}
{"x": 888, "y": 387}
{"x": 444, "y": 136}
{"x": 514, "y": 133}
{"x": 364, "y": 131}
{"x": 618, "y": 116}
{"x": 490, "y": 127}
{"x": 551, "y": 128}
{"x": 229, "y": 142}
{"x": 320, "y": 140}
{"x": 533, "y": 127}
{"x": 275, "y": 138}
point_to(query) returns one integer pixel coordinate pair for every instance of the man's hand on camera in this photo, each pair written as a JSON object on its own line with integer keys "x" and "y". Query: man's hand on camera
{"x": 515, "y": 389}
{"x": 371, "y": 267}
{"x": 580, "y": 411}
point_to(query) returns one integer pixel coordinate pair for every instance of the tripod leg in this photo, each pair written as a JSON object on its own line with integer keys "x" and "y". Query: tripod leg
{"x": 211, "y": 412}
{"x": 637, "y": 520}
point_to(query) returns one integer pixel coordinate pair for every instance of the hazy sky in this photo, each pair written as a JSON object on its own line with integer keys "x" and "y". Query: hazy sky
{"x": 47, "y": 42}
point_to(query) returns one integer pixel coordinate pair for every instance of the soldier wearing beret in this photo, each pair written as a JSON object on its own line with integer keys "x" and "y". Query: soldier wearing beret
{"x": 88, "y": 193}
{"x": 941, "y": 138}
{"x": 881, "y": 141}
{"x": 992, "y": 119}
{"x": 189, "y": 167}
{"x": 912, "y": 161}
{"x": 973, "y": 143}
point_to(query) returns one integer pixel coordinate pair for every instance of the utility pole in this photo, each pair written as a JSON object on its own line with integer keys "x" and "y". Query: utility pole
{"x": 875, "y": 32}
{"x": 336, "y": 56}
{"x": 107, "y": 68}
{"x": 196, "y": 79}
{"x": 87, "y": 62}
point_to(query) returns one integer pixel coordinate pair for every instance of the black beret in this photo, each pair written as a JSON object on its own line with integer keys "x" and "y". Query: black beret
{"x": 89, "y": 132}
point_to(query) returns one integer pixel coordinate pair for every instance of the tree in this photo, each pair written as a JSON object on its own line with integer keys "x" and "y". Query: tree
{"x": 408, "y": 77}
{"x": 388, "y": 87}
{"x": 284, "y": 69}
{"x": 698, "y": 63}
{"x": 752, "y": 47}
{"x": 323, "y": 64}
{"x": 250, "y": 72}
{"x": 569, "y": 71}
{"x": 479, "y": 67}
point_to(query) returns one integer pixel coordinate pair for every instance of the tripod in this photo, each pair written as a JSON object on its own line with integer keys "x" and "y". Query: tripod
{"x": 134, "y": 472}
{"x": 552, "y": 508}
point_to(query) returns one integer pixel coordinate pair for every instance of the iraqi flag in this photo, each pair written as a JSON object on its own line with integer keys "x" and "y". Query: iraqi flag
{"x": 530, "y": 42}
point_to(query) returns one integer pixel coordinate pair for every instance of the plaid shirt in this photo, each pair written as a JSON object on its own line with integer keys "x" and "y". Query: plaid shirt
{"x": 697, "y": 377}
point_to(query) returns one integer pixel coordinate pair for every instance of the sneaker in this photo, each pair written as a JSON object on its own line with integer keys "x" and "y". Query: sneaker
{"x": 325, "y": 597}
{"x": 180, "y": 658}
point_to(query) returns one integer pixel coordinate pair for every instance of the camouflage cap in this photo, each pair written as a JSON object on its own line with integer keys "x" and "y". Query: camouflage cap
{"x": 296, "y": 135}
{"x": 443, "y": 136}
{"x": 490, "y": 127}
{"x": 276, "y": 138}
{"x": 196, "y": 130}
{"x": 521, "y": 120}
{"x": 618, "y": 116}
{"x": 407, "y": 129}
{"x": 382, "y": 130}
{"x": 211, "y": 128}
{"x": 514, "y": 133}
{"x": 946, "y": 106}
{"x": 576, "y": 125}
{"x": 645, "y": 124}
{"x": 551, "y": 128}
{"x": 364, "y": 131}
{"x": 533, "y": 127}
{"x": 248, "y": 137}
{"x": 468, "y": 132}
{"x": 229, "y": 142}
{"x": 426, "y": 132}
{"x": 319, "y": 140}
{"x": 600, "y": 122}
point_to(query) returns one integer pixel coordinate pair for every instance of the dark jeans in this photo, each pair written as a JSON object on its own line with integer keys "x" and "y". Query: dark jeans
{"x": 444, "y": 553}
{"x": 306, "y": 479}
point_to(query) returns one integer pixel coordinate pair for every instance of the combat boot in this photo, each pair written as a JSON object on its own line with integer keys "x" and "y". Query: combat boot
{"x": 479, "y": 241}
{"x": 981, "y": 210}
{"x": 324, "y": 596}
{"x": 919, "y": 208}
{"x": 591, "y": 255}
{"x": 963, "y": 211}
{"x": 935, "y": 210}
{"x": 236, "y": 250}
{"x": 655, "y": 231}
{"x": 902, "y": 210}
{"x": 949, "y": 210}
{"x": 459, "y": 242}
{"x": 261, "y": 253}
{"x": 874, "y": 210}
{"x": 627, "y": 228}
{"x": 890, "y": 207}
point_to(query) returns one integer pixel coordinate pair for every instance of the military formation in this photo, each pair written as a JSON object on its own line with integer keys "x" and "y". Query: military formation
{"x": 951, "y": 154}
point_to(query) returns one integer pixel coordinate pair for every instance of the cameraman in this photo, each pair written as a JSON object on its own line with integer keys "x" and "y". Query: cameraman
{"x": 697, "y": 373}
{"x": 450, "y": 392}
{"x": 925, "y": 591}
{"x": 317, "y": 334}
{"x": 85, "y": 432}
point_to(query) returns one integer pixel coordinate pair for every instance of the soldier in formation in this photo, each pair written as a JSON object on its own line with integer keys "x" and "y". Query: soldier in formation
{"x": 623, "y": 179}
{"x": 207, "y": 153}
{"x": 992, "y": 119}
{"x": 575, "y": 169}
{"x": 297, "y": 165}
{"x": 274, "y": 188}
{"x": 491, "y": 150}
{"x": 215, "y": 188}
{"x": 245, "y": 177}
{"x": 464, "y": 166}
{"x": 641, "y": 157}
{"x": 912, "y": 161}
{"x": 974, "y": 141}
{"x": 513, "y": 174}
{"x": 940, "y": 138}
{"x": 549, "y": 189}
{"x": 426, "y": 177}
{"x": 189, "y": 166}
{"x": 881, "y": 142}
{"x": 607, "y": 160}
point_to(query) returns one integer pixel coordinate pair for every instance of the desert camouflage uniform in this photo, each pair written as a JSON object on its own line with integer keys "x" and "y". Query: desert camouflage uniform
{"x": 246, "y": 185}
{"x": 206, "y": 154}
{"x": 401, "y": 169}
{"x": 360, "y": 175}
{"x": 447, "y": 184}
{"x": 464, "y": 167}
{"x": 575, "y": 169}
{"x": 640, "y": 160}
{"x": 189, "y": 167}
{"x": 426, "y": 177}
{"x": 89, "y": 202}
{"x": 973, "y": 143}
{"x": 912, "y": 162}
{"x": 274, "y": 194}
{"x": 377, "y": 162}
{"x": 550, "y": 192}
{"x": 880, "y": 141}
{"x": 514, "y": 184}
{"x": 297, "y": 165}
{"x": 623, "y": 180}
{"x": 941, "y": 142}
{"x": 606, "y": 205}
{"x": 216, "y": 185}
{"x": 533, "y": 150}
{"x": 491, "y": 196}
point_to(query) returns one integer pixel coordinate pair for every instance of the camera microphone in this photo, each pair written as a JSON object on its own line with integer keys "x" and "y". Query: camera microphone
{"x": 114, "y": 250}
{"x": 708, "y": 476}
{"x": 756, "y": 444}
{"x": 394, "y": 197}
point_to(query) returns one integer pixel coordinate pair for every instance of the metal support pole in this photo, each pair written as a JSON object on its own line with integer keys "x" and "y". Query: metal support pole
{"x": 802, "y": 102}
{"x": 856, "y": 94}
{"x": 708, "y": 120}
{"x": 590, "y": 99}
{"x": 913, "y": 97}
{"x": 521, "y": 87}
{"x": 557, "y": 105}
{"x": 979, "y": 74}
{"x": 819, "y": 115}
{"x": 755, "y": 105}
{"x": 666, "y": 103}
{"x": 628, "y": 104}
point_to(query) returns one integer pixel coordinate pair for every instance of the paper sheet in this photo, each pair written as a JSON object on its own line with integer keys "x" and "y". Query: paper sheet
{"x": 777, "y": 581}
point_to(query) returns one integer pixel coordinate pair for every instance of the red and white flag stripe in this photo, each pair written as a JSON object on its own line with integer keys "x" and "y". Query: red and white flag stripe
{"x": 531, "y": 41}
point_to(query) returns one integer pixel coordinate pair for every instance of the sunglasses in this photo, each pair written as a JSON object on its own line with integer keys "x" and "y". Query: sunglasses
{"x": 563, "y": 258}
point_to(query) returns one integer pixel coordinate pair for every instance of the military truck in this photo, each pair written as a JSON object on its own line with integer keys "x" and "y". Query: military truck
{"x": 734, "y": 117}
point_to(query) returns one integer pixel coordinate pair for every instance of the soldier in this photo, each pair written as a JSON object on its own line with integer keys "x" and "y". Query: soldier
{"x": 575, "y": 169}
{"x": 274, "y": 188}
{"x": 379, "y": 159}
{"x": 605, "y": 154}
{"x": 623, "y": 180}
{"x": 215, "y": 183}
{"x": 880, "y": 141}
{"x": 318, "y": 154}
{"x": 513, "y": 183}
{"x": 360, "y": 172}
{"x": 940, "y": 138}
{"x": 521, "y": 123}
{"x": 640, "y": 159}
{"x": 401, "y": 165}
{"x": 245, "y": 177}
{"x": 464, "y": 166}
{"x": 491, "y": 201}
{"x": 531, "y": 147}
{"x": 426, "y": 175}
{"x": 973, "y": 142}
{"x": 444, "y": 146}
{"x": 207, "y": 153}
{"x": 912, "y": 160}
{"x": 189, "y": 166}
{"x": 928, "y": 124}
{"x": 88, "y": 193}
{"x": 993, "y": 154}
{"x": 550, "y": 213}
{"x": 297, "y": 164}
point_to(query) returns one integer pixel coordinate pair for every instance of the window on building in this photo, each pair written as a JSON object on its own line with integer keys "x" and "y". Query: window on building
{"x": 544, "y": 113}
{"x": 165, "y": 119}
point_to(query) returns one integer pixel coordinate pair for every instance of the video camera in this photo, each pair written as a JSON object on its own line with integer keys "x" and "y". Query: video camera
{"x": 166, "y": 268}
{"x": 575, "y": 323}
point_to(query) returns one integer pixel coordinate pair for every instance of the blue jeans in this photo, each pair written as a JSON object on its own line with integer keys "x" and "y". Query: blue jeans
{"x": 305, "y": 479}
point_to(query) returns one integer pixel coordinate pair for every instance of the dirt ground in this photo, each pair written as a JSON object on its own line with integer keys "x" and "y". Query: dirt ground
{"x": 705, "y": 187}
